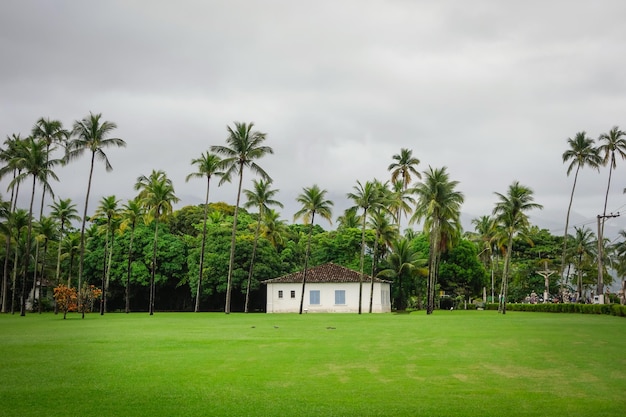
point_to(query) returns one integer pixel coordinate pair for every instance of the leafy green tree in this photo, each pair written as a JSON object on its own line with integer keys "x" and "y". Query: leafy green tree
{"x": 461, "y": 272}
{"x": 366, "y": 197}
{"x": 350, "y": 219}
{"x": 313, "y": 201}
{"x": 581, "y": 153}
{"x": 510, "y": 213}
{"x": 244, "y": 146}
{"x": 439, "y": 205}
{"x": 262, "y": 196}
{"x": 485, "y": 237}
{"x": 156, "y": 194}
{"x": 273, "y": 228}
{"x": 209, "y": 165}
{"x": 91, "y": 135}
{"x": 35, "y": 163}
{"x": 402, "y": 169}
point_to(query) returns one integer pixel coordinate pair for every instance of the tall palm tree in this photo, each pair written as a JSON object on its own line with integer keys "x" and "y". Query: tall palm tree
{"x": 36, "y": 164}
{"x": 313, "y": 201}
{"x": 51, "y": 132}
{"x": 510, "y": 213}
{"x": 131, "y": 213}
{"x": 366, "y": 197}
{"x": 64, "y": 211}
{"x": 262, "y": 196}
{"x": 208, "y": 165}
{"x": 439, "y": 205}
{"x": 109, "y": 211}
{"x": 402, "y": 169}
{"x": 244, "y": 147}
{"x": 5, "y": 216}
{"x": 157, "y": 196}
{"x": 614, "y": 144}
{"x": 91, "y": 135}
{"x": 581, "y": 153}
{"x": 9, "y": 156}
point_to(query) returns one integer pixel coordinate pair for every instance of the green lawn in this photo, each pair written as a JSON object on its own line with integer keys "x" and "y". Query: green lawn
{"x": 453, "y": 363}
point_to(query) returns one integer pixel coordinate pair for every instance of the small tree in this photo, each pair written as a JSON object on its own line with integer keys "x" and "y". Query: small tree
{"x": 65, "y": 298}
{"x": 88, "y": 296}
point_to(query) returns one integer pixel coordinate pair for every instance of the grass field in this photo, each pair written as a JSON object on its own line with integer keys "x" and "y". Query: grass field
{"x": 453, "y": 363}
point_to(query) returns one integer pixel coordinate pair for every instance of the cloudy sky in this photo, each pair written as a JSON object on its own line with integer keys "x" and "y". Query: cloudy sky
{"x": 490, "y": 89}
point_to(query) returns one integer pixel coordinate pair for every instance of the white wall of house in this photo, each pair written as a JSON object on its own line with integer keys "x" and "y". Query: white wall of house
{"x": 330, "y": 301}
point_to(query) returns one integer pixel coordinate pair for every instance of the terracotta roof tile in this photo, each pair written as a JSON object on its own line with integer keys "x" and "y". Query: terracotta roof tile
{"x": 329, "y": 272}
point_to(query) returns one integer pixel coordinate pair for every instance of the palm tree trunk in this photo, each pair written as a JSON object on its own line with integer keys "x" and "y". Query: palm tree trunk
{"x": 256, "y": 240}
{"x": 82, "y": 230}
{"x": 108, "y": 273}
{"x": 201, "y": 267}
{"x": 43, "y": 268}
{"x": 505, "y": 275}
{"x": 5, "y": 271}
{"x": 15, "y": 268}
{"x": 154, "y": 257}
{"x": 27, "y": 255}
{"x": 306, "y": 261}
{"x": 231, "y": 262}
{"x": 104, "y": 274}
{"x": 128, "y": 270}
{"x": 569, "y": 208}
{"x": 374, "y": 263}
{"x": 362, "y": 259}
{"x": 434, "y": 247}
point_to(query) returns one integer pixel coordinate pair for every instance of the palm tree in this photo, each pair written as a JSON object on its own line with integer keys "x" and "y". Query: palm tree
{"x": 208, "y": 166}
{"x": 400, "y": 199}
{"x": 403, "y": 262}
{"x": 510, "y": 214}
{"x": 614, "y": 145}
{"x": 157, "y": 196}
{"x": 46, "y": 231}
{"x": 273, "y": 228}
{"x": 51, "y": 132}
{"x": 36, "y": 164}
{"x": 366, "y": 197}
{"x": 439, "y": 205}
{"x": 131, "y": 213}
{"x": 402, "y": 169}
{"x": 92, "y": 135}
{"x": 584, "y": 252}
{"x": 349, "y": 220}
{"x": 108, "y": 210}
{"x": 18, "y": 221}
{"x": 64, "y": 211}
{"x": 581, "y": 153}
{"x": 262, "y": 196}
{"x": 244, "y": 146}
{"x": 313, "y": 201}
{"x": 71, "y": 247}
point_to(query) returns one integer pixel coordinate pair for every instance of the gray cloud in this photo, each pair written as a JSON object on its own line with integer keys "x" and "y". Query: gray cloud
{"x": 490, "y": 89}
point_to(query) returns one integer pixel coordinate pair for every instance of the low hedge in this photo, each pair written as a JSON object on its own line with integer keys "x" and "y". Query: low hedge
{"x": 611, "y": 309}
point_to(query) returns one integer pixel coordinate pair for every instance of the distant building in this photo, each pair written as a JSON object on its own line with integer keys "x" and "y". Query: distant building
{"x": 330, "y": 288}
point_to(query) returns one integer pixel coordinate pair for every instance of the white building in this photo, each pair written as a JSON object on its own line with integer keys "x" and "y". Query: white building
{"x": 329, "y": 288}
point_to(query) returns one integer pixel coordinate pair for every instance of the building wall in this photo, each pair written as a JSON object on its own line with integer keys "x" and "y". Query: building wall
{"x": 287, "y": 304}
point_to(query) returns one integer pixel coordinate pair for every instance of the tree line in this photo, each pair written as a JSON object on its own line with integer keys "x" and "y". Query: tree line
{"x": 143, "y": 253}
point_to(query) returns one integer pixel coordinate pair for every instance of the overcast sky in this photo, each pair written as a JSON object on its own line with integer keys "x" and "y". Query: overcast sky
{"x": 490, "y": 89}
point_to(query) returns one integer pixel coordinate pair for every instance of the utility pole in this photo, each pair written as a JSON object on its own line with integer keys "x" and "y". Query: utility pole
{"x": 600, "y": 284}
{"x": 546, "y": 276}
